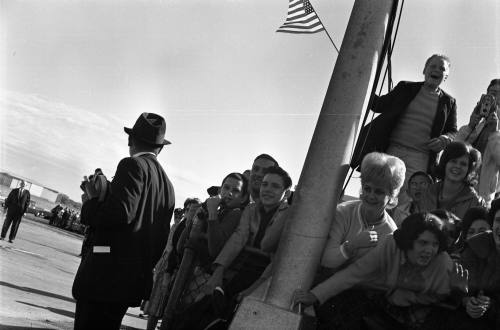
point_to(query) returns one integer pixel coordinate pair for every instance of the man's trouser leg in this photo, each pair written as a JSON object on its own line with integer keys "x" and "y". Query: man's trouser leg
{"x": 6, "y": 225}
{"x": 15, "y": 227}
{"x": 99, "y": 315}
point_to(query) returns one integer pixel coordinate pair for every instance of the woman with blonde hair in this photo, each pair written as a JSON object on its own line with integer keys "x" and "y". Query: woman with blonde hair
{"x": 359, "y": 225}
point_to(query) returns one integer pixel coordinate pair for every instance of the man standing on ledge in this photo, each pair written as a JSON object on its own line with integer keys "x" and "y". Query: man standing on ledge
{"x": 16, "y": 204}
{"x": 417, "y": 121}
{"x": 130, "y": 229}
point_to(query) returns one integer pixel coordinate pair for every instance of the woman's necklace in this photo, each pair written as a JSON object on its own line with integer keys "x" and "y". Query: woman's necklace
{"x": 370, "y": 224}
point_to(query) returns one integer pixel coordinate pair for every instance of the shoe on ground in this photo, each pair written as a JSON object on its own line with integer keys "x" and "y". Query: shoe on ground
{"x": 11, "y": 241}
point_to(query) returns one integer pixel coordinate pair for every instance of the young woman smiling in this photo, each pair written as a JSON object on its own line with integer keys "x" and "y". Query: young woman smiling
{"x": 457, "y": 170}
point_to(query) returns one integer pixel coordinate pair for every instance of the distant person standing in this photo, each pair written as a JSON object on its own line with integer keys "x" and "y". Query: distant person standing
{"x": 130, "y": 227}
{"x": 16, "y": 204}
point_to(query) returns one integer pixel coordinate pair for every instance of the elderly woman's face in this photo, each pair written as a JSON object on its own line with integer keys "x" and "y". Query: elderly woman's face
{"x": 425, "y": 248}
{"x": 456, "y": 169}
{"x": 478, "y": 226}
{"x": 374, "y": 197}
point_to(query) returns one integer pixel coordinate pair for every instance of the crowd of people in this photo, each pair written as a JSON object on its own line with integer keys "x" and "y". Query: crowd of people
{"x": 63, "y": 217}
{"x": 419, "y": 249}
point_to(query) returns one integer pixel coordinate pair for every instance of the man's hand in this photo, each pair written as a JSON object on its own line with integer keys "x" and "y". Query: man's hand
{"x": 212, "y": 206}
{"x": 435, "y": 144}
{"x": 303, "y": 297}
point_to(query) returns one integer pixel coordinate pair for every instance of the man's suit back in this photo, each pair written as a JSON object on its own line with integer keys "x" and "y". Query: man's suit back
{"x": 129, "y": 232}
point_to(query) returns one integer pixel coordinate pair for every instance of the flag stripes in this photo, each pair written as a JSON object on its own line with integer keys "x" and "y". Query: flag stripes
{"x": 301, "y": 18}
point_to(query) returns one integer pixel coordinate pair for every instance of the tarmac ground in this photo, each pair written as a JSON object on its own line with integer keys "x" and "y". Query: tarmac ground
{"x": 36, "y": 276}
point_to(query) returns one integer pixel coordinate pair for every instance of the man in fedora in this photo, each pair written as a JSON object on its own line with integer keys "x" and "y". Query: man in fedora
{"x": 130, "y": 228}
{"x": 16, "y": 204}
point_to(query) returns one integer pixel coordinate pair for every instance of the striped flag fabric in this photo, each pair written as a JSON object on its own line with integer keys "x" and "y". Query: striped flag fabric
{"x": 301, "y": 18}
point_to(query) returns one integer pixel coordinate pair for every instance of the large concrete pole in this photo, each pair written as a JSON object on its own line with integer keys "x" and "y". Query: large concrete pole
{"x": 324, "y": 170}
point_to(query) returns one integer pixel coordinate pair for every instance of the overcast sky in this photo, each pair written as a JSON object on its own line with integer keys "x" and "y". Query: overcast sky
{"x": 73, "y": 73}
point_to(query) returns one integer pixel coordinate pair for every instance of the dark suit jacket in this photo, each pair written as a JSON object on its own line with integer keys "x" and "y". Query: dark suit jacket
{"x": 376, "y": 135}
{"x": 17, "y": 205}
{"x": 134, "y": 222}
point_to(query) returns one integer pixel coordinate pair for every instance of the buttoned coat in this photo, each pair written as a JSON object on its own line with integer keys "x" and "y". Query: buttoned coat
{"x": 16, "y": 203}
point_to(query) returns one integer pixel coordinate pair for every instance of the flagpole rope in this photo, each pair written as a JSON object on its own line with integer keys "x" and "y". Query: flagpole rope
{"x": 387, "y": 49}
{"x": 328, "y": 34}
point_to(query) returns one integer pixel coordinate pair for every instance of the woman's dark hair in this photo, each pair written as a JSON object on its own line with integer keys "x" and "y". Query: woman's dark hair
{"x": 287, "y": 180}
{"x": 458, "y": 149}
{"x": 415, "y": 224}
{"x": 495, "y": 207}
{"x": 426, "y": 175}
{"x": 266, "y": 157}
{"x": 452, "y": 223}
{"x": 244, "y": 186}
{"x": 190, "y": 201}
{"x": 473, "y": 214}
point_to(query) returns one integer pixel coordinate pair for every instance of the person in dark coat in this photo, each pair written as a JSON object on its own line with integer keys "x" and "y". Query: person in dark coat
{"x": 130, "y": 227}
{"x": 16, "y": 204}
{"x": 417, "y": 120}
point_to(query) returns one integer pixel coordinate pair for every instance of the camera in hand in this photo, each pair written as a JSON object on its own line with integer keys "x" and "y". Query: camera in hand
{"x": 85, "y": 180}
{"x": 486, "y": 104}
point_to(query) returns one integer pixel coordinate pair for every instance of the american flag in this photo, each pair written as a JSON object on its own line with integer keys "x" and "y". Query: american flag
{"x": 301, "y": 18}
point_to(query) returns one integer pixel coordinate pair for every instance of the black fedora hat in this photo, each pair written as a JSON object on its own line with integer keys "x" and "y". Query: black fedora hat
{"x": 149, "y": 128}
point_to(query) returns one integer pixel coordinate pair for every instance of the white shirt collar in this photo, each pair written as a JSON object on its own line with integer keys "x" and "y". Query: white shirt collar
{"x": 143, "y": 153}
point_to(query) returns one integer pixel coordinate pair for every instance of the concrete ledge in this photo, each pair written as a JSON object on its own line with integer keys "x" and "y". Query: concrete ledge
{"x": 255, "y": 314}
